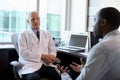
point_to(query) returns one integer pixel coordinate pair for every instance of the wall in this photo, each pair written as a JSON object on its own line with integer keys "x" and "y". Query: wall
{"x": 78, "y": 15}
{"x": 96, "y": 5}
{"x": 76, "y": 18}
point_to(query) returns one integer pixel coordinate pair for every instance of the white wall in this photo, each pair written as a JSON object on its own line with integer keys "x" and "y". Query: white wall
{"x": 96, "y": 5}
{"x": 78, "y": 15}
{"x": 76, "y": 21}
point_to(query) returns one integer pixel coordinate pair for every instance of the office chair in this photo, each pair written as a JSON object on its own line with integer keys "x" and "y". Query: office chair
{"x": 16, "y": 64}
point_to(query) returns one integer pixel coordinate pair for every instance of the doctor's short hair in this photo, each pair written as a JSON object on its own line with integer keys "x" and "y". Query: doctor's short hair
{"x": 29, "y": 15}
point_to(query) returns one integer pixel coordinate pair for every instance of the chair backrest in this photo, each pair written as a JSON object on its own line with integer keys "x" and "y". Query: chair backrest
{"x": 14, "y": 39}
{"x": 16, "y": 64}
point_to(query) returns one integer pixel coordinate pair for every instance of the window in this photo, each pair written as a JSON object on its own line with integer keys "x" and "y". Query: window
{"x": 52, "y": 12}
{"x": 13, "y": 16}
{"x": 53, "y": 24}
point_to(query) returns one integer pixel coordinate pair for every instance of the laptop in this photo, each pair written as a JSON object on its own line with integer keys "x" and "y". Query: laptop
{"x": 76, "y": 43}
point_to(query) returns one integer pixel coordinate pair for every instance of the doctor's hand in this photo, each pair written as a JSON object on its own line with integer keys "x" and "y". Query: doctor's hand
{"x": 48, "y": 58}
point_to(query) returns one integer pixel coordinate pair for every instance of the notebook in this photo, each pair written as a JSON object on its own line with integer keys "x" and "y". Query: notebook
{"x": 76, "y": 43}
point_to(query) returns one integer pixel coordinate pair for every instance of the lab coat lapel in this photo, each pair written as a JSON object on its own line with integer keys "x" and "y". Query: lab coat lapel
{"x": 33, "y": 36}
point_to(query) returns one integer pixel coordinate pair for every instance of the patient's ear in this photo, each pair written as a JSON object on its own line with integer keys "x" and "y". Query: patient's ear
{"x": 104, "y": 25}
{"x": 103, "y": 22}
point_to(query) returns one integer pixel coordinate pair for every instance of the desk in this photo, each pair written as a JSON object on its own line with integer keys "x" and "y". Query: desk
{"x": 7, "y": 54}
{"x": 7, "y": 46}
{"x": 68, "y": 57}
{"x": 73, "y": 53}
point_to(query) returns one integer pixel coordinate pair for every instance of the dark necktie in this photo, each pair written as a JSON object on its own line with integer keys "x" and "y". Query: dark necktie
{"x": 37, "y": 34}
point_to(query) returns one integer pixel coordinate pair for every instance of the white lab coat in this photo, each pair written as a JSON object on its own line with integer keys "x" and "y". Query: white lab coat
{"x": 30, "y": 50}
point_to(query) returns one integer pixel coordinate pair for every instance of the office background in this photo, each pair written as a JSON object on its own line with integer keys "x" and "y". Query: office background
{"x": 60, "y": 17}
{"x": 57, "y": 16}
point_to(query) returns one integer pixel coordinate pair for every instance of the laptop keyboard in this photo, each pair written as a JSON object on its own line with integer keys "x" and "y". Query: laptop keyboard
{"x": 70, "y": 48}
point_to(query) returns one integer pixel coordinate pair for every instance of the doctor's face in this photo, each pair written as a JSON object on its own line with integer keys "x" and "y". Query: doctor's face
{"x": 34, "y": 20}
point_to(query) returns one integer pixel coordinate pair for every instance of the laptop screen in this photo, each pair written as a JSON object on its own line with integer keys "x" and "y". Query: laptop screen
{"x": 78, "y": 40}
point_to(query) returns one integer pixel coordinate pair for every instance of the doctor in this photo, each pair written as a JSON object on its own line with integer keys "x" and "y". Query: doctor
{"x": 37, "y": 52}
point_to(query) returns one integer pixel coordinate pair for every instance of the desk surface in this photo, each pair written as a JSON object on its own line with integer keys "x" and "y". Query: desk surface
{"x": 73, "y": 53}
{"x": 7, "y": 46}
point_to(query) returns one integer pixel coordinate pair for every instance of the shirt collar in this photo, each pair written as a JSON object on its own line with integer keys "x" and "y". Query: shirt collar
{"x": 114, "y": 32}
{"x": 35, "y": 31}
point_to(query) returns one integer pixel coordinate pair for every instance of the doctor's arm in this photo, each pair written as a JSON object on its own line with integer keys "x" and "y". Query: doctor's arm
{"x": 51, "y": 56}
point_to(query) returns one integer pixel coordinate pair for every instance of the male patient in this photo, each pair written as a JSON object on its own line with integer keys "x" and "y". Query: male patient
{"x": 37, "y": 52}
{"x": 103, "y": 61}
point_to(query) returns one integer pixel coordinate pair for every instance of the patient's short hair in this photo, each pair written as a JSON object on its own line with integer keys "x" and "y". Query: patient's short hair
{"x": 112, "y": 15}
